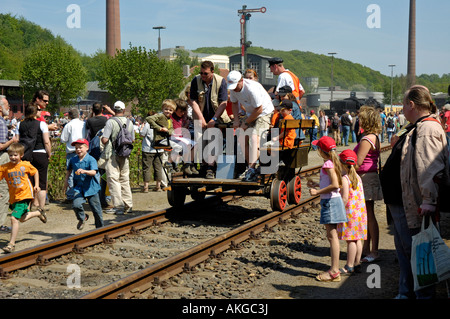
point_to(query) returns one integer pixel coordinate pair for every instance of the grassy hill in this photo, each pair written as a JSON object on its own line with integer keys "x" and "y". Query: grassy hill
{"x": 347, "y": 75}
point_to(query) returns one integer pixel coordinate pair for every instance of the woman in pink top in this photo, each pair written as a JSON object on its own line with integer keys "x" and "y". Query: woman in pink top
{"x": 368, "y": 152}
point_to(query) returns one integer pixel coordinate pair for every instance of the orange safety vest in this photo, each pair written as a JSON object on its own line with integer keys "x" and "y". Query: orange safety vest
{"x": 297, "y": 93}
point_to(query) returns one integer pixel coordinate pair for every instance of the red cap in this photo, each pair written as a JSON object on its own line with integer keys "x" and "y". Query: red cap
{"x": 348, "y": 157}
{"x": 81, "y": 141}
{"x": 325, "y": 143}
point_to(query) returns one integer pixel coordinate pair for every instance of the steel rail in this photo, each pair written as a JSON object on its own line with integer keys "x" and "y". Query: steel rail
{"x": 185, "y": 261}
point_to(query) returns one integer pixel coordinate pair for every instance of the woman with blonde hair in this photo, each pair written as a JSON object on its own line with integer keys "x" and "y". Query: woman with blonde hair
{"x": 409, "y": 179}
{"x": 368, "y": 153}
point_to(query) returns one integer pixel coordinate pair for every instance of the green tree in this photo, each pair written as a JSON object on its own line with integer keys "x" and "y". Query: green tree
{"x": 138, "y": 75}
{"x": 56, "y": 68}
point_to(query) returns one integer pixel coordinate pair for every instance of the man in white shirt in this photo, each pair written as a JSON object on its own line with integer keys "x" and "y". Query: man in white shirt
{"x": 73, "y": 131}
{"x": 259, "y": 107}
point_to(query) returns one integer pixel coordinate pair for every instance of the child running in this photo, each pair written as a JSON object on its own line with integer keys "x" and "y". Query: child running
{"x": 86, "y": 184}
{"x": 16, "y": 173}
{"x": 332, "y": 207}
{"x": 355, "y": 229}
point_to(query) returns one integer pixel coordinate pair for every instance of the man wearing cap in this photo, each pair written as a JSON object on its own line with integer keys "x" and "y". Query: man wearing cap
{"x": 72, "y": 131}
{"x": 259, "y": 107}
{"x": 209, "y": 97}
{"x": 117, "y": 167}
{"x": 286, "y": 77}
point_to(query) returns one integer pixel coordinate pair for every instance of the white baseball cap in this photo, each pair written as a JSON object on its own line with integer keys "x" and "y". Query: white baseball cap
{"x": 119, "y": 105}
{"x": 232, "y": 79}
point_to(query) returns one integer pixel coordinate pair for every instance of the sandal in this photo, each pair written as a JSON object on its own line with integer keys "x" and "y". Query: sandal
{"x": 145, "y": 189}
{"x": 9, "y": 249}
{"x": 42, "y": 216}
{"x": 332, "y": 277}
{"x": 347, "y": 271}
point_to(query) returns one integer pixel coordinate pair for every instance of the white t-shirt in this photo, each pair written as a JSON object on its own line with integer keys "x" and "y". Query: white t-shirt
{"x": 286, "y": 79}
{"x": 251, "y": 96}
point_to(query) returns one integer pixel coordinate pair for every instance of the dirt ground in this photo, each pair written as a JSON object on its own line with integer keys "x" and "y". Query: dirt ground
{"x": 377, "y": 281}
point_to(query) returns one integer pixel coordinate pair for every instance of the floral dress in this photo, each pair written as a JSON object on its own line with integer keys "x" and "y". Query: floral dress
{"x": 356, "y": 226}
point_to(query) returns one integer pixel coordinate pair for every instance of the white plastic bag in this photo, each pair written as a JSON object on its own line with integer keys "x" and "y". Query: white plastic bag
{"x": 430, "y": 257}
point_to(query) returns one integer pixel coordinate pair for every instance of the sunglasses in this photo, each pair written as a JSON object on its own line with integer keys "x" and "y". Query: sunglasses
{"x": 204, "y": 73}
{"x": 46, "y": 101}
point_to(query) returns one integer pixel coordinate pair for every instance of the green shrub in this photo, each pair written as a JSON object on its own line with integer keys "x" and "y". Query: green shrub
{"x": 57, "y": 168}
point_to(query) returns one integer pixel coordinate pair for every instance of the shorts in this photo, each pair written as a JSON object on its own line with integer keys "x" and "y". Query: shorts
{"x": 20, "y": 208}
{"x": 372, "y": 186}
{"x": 332, "y": 211}
{"x": 261, "y": 124}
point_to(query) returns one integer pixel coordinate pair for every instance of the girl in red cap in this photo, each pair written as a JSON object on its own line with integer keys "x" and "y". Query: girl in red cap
{"x": 332, "y": 207}
{"x": 355, "y": 229}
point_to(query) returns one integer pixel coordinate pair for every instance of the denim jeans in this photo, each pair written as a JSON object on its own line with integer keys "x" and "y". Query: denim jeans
{"x": 70, "y": 193}
{"x": 403, "y": 245}
{"x": 345, "y": 134}
{"x": 94, "y": 203}
{"x": 313, "y": 137}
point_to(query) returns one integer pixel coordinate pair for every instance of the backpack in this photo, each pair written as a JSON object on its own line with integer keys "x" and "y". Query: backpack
{"x": 335, "y": 123}
{"x": 390, "y": 122}
{"x": 94, "y": 145}
{"x": 123, "y": 144}
{"x": 27, "y": 137}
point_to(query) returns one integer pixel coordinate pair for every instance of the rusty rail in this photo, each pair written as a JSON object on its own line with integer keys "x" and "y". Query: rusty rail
{"x": 185, "y": 261}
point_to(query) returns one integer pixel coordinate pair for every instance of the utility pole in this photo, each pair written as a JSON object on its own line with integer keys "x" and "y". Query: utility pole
{"x": 245, "y": 16}
{"x": 332, "y": 74}
{"x": 159, "y": 39}
{"x": 392, "y": 81}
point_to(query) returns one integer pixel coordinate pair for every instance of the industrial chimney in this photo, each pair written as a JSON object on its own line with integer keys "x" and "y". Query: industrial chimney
{"x": 411, "y": 76}
{"x": 112, "y": 27}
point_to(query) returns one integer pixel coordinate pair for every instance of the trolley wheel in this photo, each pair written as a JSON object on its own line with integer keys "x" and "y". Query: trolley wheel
{"x": 294, "y": 188}
{"x": 176, "y": 196}
{"x": 196, "y": 195}
{"x": 278, "y": 195}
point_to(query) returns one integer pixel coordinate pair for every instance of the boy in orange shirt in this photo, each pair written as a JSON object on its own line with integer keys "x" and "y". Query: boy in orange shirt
{"x": 286, "y": 137}
{"x": 16, "y": 173}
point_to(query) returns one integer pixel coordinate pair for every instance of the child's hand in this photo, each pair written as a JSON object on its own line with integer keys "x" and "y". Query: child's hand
{"x": 313, "y": 191}
{"x": 164, "y": 129}
{"x": 37, "y": 189}
{"x": 79, "y": 171}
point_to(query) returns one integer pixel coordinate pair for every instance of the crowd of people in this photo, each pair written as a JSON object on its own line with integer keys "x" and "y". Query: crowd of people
{"x": 350, "y": 182}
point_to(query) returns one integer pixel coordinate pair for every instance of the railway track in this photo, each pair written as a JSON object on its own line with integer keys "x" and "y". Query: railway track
{"x": 138, "y": 281}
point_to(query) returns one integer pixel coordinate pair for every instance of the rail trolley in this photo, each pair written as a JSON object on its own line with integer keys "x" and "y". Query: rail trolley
{"x": 282, "y": 184}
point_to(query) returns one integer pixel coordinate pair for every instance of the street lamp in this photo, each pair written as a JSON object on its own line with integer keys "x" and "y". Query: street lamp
{"x": 392, "y": 81}
{"x": 332, "y": 75}
{"x": 159, "y": 39}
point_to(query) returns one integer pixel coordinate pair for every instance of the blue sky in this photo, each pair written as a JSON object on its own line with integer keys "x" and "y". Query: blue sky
{"x": 318, "y": 26}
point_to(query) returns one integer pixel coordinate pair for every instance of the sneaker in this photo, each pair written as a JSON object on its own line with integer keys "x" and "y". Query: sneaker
{"x": 194, "y": 170}
{"x": 209, "y": 174}
{"x": 120, "y": 211}
{"x": 242, "y": 176}
{"x": 81, "y": 222}
{"x": 111, "y": 210}
{"x": 251, "y": 176}
{"x": 128, "y": 210}
{"x": 187, "y": 169}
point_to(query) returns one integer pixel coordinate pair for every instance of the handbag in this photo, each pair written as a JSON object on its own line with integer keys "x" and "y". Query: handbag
{"x": 430, "y": 257}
